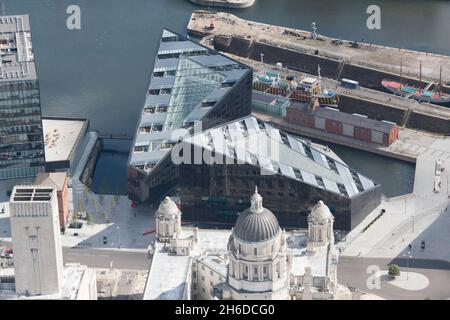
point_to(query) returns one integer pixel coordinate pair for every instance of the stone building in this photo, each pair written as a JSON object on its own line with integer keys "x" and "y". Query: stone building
{"x": 168, "y": 220}
{"x": 39, "y": 271}
{"x": 38, "y": 261}
{"x": 254, "y": 260}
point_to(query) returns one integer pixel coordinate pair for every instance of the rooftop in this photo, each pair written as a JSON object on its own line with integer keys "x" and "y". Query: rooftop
{"x": 250, "y": 140}
{"x": 57, "y": 179}
{"x": 74, "y": 274}
{"x": 169, "y": 272}
{"x": 353, "y": 119}
{"x": 187, "y": 81}
{"x": 160, "y": 287}
{"x": 16, "y": 50}
{"x": 60, "y": 137}
{"x": 32, "y": 194}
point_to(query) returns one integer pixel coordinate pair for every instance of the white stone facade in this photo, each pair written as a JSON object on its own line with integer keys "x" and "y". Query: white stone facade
{"x": 168, "y": 220}
{"x": 38, "y": 261}
{"x": 270, "y": 264}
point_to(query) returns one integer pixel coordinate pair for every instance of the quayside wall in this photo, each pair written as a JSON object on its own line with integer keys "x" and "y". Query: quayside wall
{"x": 331, "y": 68}
{"x": 305, "y": 62}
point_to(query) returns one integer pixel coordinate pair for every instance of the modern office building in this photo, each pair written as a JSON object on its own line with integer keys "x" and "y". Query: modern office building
{"x": 294, "y": 174}
{"x": 190, "y": 84}
{"x": 21, "y": 137}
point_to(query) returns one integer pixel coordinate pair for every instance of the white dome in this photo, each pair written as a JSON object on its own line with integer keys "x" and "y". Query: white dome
{"x": 168, "y": 208}
{"x": 257, "y": 223}
{"x": 321, "y": 211}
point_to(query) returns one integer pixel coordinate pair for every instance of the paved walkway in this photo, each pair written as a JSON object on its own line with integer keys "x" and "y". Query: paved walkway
{"x": 421, "y": 216}
{"x": 113, "y": 218}
{"x": 411, "y": 281}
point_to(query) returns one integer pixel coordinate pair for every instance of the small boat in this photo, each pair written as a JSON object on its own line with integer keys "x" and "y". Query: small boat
{"x": 303, "y": 88}
{"x": 422, "y": 95}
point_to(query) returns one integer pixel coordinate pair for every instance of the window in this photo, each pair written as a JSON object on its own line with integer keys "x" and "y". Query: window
{"x": 211, "y": 273}
{"x": 255, "y": 251}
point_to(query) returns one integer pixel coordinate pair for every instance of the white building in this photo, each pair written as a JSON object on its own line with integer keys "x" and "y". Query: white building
{"x": 254, "y": 260}
{"x": 38, "y": 261}
{"x": 39, "y": 272}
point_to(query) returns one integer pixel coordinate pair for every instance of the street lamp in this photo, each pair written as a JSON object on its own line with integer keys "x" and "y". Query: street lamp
{"x": 407, "y": 263}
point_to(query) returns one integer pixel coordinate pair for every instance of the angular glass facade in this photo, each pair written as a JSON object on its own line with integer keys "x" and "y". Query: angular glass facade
{"x": 190, "y": 84}
{"x": 21, "y": 136}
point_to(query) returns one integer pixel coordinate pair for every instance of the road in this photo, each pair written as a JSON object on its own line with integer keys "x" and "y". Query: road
{"x": 99, "y": 258}
{"x": 353, "y": 271}
{"x": 102, "y": 258}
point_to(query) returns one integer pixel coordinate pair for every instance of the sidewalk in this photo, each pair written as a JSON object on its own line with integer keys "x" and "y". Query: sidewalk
{"x": 425, "y": 218}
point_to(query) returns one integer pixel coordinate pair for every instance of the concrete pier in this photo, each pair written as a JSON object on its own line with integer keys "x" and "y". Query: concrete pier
{"x": 370, "y": 55}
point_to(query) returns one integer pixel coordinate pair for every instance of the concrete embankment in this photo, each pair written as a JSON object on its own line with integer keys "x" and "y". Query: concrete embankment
{"x": 230, "y": 4}
{"x": 308, "y": 62}
{"x": 89, "y": 168}
{"x": 370, "y": 100}
{"x": 298, "y": 49}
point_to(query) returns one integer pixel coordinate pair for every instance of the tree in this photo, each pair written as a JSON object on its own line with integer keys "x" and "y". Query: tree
{"x": 105, "y": 216}
{"x": 89, "y": 218}
{"x": 394, "y": 270}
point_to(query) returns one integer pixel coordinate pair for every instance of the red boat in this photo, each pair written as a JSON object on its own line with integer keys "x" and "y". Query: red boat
{"x": 421, "y": 95}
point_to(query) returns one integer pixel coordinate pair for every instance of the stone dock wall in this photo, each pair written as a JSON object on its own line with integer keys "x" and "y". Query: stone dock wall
{"x": 230, "y": 4}
{"x": 331, "y": 68}
{"x": 306, "y": 62}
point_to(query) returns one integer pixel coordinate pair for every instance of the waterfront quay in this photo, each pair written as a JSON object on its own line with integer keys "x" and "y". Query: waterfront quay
{"x": 411, "y": 143}
{"x": 423, "y": 138}
{"x": 230, "y": 4}
{"x": 382, "y": 58}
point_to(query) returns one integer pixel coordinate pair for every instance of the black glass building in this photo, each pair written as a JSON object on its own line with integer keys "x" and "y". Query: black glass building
{"x": 21, "y": 136}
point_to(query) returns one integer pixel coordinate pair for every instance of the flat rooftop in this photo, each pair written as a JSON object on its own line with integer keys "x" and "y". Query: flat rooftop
{"x": 32, "y": 194}
{"x": 73, "y": 275}
{"x": 60, "y": 137}
{"x": 169, "y": 272}
{"x": 160, "y": 286}
{"x": 16, "y": 49}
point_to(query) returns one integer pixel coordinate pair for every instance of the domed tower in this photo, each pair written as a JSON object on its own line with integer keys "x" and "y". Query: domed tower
{"x": 259, "y": 266}
{"x": 168, "y": 220}
{"x": 320, "y": 227}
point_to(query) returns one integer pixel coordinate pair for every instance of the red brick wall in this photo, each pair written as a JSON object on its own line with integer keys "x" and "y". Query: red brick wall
{"x": 333, "y": 126}
{"x": 363, "y": 134}
{"x": 393, "y": 135}
{"x": 63, "y": 204}
{"x": 299, "y": 117}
